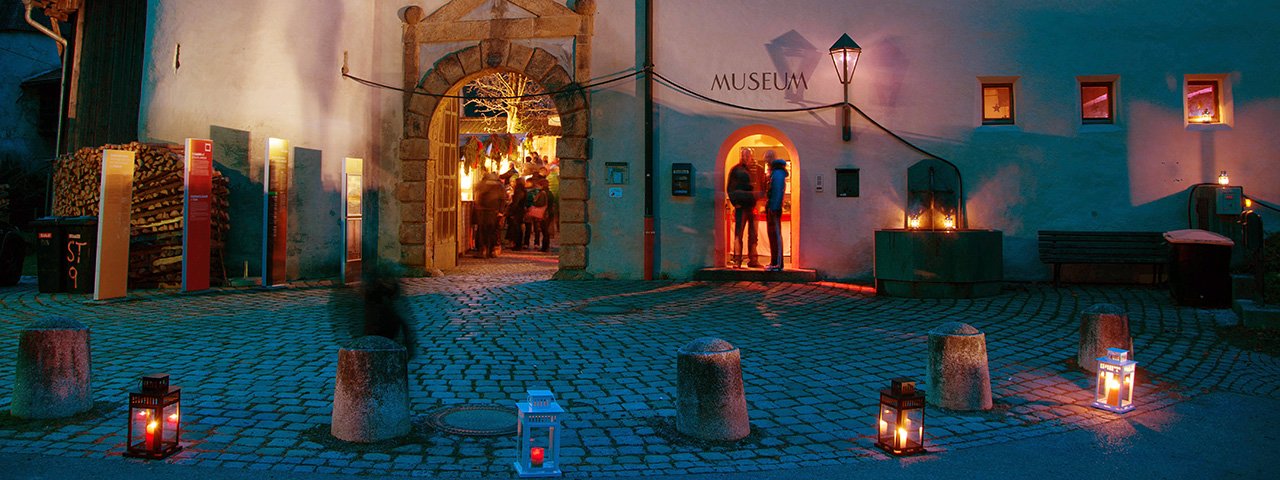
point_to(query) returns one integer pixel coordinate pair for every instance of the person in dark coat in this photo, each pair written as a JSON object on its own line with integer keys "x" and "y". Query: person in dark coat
{"x": 743, "y": 196}
{"x": 515, "y": 214}
{"x": 382, "y": 315}
{"x": 773, "y": 208}
{"x": 490, "y": 197}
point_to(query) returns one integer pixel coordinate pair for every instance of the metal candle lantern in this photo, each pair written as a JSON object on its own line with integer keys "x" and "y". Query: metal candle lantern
{"x": 900, "y": 429}
{"x": 538, "y": 435}
{"x": 1115, "y": 381}
{"x": 155, "y": 423}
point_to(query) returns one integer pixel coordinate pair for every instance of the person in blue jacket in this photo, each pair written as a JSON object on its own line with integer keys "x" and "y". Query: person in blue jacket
{"x": 773, "y": 208}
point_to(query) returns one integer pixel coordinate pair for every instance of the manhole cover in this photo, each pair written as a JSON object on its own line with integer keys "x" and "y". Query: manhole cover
{"x": 607, "y": 309}
{"x": 475, "y": 420}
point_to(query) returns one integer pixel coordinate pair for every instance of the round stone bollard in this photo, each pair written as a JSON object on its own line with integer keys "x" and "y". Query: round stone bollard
{"x": 957, "y": 376}
{"x": 371, "y": 394}
{"x": 710, "y": 402}
{"x": 1102, "y": 326}
{"x": 52, "y": 377}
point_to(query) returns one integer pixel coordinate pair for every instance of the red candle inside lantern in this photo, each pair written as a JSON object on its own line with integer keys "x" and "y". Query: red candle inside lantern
{"x": 535, "y": 457}
{"x": 153, "y": 442}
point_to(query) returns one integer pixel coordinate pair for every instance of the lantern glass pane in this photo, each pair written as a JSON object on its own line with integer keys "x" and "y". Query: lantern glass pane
{"x": 888, "y": 421}
{"x": 1126, "y": 389}
{"x": 911, "y": 431}
{"x": 139, "y": 420}
{"x": 170, "y": 425}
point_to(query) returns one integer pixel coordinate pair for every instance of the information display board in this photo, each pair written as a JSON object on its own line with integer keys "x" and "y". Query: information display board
{"x": 353, "y": 198}
{"x": 115, "y": 201}
{"x": 197, "y": 214}
{"x": 275, "y": 205}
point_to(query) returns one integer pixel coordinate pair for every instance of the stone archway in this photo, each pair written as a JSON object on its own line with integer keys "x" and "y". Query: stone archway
{"x": 414, "y": 189}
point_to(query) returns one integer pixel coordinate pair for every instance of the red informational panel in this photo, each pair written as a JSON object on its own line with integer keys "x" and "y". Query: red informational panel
{"x": 114, "y": 203}
{"x": 197, "y": 211}
{"x": 275, "y": 187}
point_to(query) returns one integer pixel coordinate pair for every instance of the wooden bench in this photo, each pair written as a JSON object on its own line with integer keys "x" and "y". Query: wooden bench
{"x": 1138, "y": 248}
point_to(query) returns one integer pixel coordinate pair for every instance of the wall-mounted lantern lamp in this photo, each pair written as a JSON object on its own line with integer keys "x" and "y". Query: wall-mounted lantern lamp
{"x": 844, "y": 54}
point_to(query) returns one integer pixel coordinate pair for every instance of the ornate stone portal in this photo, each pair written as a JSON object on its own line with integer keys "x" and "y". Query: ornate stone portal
{"x": 498, "y": 36}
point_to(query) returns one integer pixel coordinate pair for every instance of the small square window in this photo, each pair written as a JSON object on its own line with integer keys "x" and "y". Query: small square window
{"x": 1097, "y": 102}
{"x": 997, "y": 104}
{"x": 1203, "y": 101}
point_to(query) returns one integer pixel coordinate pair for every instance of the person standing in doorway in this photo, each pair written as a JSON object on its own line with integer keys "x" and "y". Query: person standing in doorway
{"x": 773, "y": 208}
{"x": 490, "y": 196}
{"x": 743, "y": 197}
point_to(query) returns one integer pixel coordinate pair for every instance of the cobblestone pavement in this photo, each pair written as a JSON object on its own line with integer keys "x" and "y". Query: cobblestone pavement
{"x": 257, "y": 368}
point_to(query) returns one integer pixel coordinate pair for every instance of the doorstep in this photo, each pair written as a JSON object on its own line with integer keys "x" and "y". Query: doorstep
{"x": 1255, "y": 315}
{"x": 722, "y": 274}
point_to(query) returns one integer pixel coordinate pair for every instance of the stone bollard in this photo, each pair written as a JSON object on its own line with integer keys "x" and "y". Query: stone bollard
{"x": 710, "y": 402}
{"x": 1102, "y": 326}
{"x": 957, "y": 375}
{"x": 371, "y": 394}
{"x": 52, "y": 377}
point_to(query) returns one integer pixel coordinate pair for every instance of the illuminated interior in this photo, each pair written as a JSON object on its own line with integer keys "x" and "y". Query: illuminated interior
{"x": 758, "y": 144}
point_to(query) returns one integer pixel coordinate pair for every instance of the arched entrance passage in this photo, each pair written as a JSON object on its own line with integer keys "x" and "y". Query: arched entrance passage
{"x": 428, "y": 193}
{"x": 758, "y": 139}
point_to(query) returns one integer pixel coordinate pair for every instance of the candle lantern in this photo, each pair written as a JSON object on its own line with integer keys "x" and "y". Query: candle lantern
{"x": 1115, "y": 381}
{"x": 538, "y": 435}
{"x": 154, "y": 419}
{"x": 900, "y": 429}
{"x": 1223, "y": 179}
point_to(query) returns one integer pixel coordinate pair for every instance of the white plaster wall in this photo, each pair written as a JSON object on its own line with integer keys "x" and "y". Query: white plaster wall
{"x": 271, "y": 69}
{"x": 918, "y": 76}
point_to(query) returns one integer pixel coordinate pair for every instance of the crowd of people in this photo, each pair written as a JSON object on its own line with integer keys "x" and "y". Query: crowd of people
{"x": 516, "y": 208}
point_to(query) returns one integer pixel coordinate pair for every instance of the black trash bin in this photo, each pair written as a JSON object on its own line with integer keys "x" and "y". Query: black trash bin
{"x": 48, "y": 254}
{"x": 80, "y": 258}
{"x": 1200, "y": 268}
{"x": 13, "y": 250}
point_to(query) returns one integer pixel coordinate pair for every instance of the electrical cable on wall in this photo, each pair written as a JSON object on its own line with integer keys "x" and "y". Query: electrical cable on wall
{"x": 688, "y": 91}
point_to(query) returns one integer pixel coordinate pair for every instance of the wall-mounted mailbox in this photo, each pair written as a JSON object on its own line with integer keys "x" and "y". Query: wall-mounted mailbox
{"x": 616, "y": 173}
{"x": 846, "y": 182}
{"x": 682, "y": 179}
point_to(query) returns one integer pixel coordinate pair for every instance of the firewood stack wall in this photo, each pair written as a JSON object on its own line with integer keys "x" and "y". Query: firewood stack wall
{"x": 155, "y": 245}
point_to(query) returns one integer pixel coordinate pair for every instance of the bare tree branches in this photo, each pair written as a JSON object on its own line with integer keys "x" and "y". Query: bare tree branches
{"x": 502, "y": 113}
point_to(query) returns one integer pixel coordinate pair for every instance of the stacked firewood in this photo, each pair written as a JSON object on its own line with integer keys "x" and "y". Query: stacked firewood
{"x": 155, "y": 245}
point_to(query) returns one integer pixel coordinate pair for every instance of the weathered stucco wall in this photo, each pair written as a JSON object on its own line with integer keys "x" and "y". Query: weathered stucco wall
{"x": 253, "y": 69}
{"x": 250, "y": 70}
{"x": 918, "y": 75}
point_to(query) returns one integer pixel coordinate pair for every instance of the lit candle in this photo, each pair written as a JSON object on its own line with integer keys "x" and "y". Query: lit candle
{"x": 902, "y": 438}
{"x": 535, "y": 457}
{"x": 1113, "y": 390}
{"x": 1223, "y": 179}
{"x": 948, "y": 222}
{"x": 913, "y": 222}
{"x": 153, "y": 442}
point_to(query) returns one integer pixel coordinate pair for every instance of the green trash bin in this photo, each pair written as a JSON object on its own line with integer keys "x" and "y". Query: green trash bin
{"x": 48, "y": 254}
{"x": 80, "y": 235}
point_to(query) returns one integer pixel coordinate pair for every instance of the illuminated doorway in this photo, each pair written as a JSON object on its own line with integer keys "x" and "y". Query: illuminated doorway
{"x": 759, "y": 139}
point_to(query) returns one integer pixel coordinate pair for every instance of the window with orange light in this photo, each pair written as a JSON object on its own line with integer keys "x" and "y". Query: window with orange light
{"x": 997, "y": 104}
{"x": 1097, "y": 102}
{"x": 1203, "y": 101}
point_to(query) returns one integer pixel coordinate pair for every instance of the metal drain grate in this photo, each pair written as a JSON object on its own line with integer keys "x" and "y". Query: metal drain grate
{"x": 607, "y": 309}
{"x": 474, "y": 420}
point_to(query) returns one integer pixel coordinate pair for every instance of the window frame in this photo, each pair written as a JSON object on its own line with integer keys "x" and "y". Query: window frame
{"x": 1111, "y": 102}
{"x": 1188, "y": 87}
{"x": 982, "y": 104}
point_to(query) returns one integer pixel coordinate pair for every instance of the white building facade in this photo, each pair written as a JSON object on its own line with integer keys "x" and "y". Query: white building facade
{"x": 1011, "y": 92}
